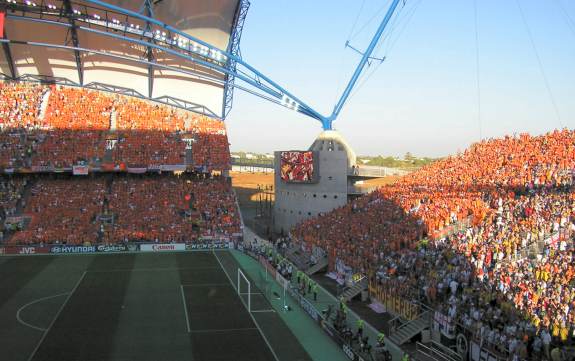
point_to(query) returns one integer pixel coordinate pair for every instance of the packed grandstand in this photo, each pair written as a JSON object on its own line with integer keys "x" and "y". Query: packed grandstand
{"x": 484, "y": 237}
{"x": 151, "y": 173}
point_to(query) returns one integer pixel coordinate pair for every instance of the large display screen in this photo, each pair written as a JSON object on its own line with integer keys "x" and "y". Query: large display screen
{"x": 297, "y": 166}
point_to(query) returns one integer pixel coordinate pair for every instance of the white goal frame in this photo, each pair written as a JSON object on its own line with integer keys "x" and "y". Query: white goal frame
{"x": 249, "y": 293}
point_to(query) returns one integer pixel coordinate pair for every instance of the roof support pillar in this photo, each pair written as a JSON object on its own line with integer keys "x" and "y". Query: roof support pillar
{"x": 148, "y": 10}
{"x": 8, "y": 55}
{"x": 73, "y": 32}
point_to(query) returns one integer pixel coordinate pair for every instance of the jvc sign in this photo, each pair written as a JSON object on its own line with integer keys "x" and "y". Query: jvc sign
{"x": 27, "y": 250}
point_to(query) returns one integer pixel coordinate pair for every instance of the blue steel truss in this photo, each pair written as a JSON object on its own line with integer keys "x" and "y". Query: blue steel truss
{"x": 225, "y": 67}
{"x": 234, "y": 49}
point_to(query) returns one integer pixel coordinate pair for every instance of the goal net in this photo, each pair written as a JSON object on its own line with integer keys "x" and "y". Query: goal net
{"x": 254, "y": 293}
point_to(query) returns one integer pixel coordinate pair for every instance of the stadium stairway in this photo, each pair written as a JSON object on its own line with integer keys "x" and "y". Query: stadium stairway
{"x": 355, "y": 290}
{"x": 113, "y": 120}
{"x": 320, "y": 265}
{"x": 300, "y": 259}
{"x": 24, "y": 196}
{"x": 44, "y": 104}
{"x": 408, "y": 330}
{"x": 189, "y": 157}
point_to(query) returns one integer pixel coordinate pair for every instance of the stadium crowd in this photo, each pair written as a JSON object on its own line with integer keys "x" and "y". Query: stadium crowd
{"x": 19, "y": 107}
{"x": 11, "y": 190}
{"x": 54, "y": 126}
{"x": 120, "y": 208}
{"x": 171, "y": 209}
{"x": 509, "y": 275}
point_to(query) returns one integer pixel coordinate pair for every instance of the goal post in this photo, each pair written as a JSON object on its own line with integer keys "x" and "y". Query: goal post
{"x": 243, "y": 286}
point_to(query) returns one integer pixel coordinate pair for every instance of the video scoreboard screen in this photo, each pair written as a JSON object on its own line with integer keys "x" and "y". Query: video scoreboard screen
{"x": 298, "y": 166}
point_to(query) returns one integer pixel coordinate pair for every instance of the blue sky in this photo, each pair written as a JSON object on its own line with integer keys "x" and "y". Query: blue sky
{"x": 423, "y": 98}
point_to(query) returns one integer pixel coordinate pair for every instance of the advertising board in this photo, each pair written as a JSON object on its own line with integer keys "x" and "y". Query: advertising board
{"x": 80, "y": 170}
{"x": 162, "y": 247}
{"x": 72, "y": 249}
{"x": 112, "y": 248}
{"x": 208, "y": 245}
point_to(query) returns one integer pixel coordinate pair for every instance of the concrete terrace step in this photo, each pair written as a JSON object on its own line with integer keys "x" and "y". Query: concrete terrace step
{"x": 355, "y": 290}
{"x": 409, "y": 330}
{"x": 321, "y": 264}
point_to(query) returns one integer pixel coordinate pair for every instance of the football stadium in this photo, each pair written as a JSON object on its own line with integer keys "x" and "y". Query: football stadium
{"x": 129, "y": 231}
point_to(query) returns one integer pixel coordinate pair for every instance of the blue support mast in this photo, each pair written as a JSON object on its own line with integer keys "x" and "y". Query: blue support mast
{"x": 328, "y": 121}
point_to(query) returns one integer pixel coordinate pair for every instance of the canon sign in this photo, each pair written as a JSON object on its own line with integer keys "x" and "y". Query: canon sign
{"x": 163, "y": 247}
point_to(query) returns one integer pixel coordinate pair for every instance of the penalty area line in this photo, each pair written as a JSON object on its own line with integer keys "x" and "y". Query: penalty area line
{"x": 248, "y": 311}
{"x": 224, "y": 330}
{"x": 185, "y": 308}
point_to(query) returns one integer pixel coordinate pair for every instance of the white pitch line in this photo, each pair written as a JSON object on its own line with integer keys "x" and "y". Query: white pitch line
{"x": 152, "y": 269}
{"x": 225, "y": 330}
{"x": 30, "y": 304}
{"x": 246, "y": 307}
{"x": 264, "y": 311}
{"x": 208, "y": 285}
{"x": 57, "y": 315}
{"x": 185, "y": 308}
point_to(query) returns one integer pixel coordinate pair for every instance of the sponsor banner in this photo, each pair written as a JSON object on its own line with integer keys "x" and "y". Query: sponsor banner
{"x": 80, "y": 170}
{"x": 443, "y": 324}
{"x": 73, "y": 249}
{"x": 308, "y": 307}
{"x": 133, "y": 248}
{"x": 387, "y": 296}
{"x": 173, "y": 167}
{"x": 162, "y": 247}
{"x": 24, "y": 250}
{"x": 477, "y": 353}
{"x": 154, "y": 167}
{"x": 211, "y": 245}
{"x": 348, "y": 351}
{"x": 13, "y": 220}
{"x": 40, "y": 168}
{"x": 9, "y": 170}
{"x": 112, "y": 248}
{"x": 137, "y": 170}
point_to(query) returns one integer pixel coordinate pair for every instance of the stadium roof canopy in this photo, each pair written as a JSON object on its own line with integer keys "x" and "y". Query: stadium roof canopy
{"x": 113, "y": 46}
{"x": 179, "y": 52}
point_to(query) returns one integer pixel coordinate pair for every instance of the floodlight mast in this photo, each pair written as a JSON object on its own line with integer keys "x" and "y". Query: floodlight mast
{"x": 328, "y": 121}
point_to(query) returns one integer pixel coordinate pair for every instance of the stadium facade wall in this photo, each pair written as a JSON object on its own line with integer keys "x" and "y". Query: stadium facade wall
{"x": 295, "y": 202}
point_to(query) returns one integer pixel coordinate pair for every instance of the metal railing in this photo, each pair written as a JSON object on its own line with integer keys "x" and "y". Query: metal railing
{"x": 436, "y": 354}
